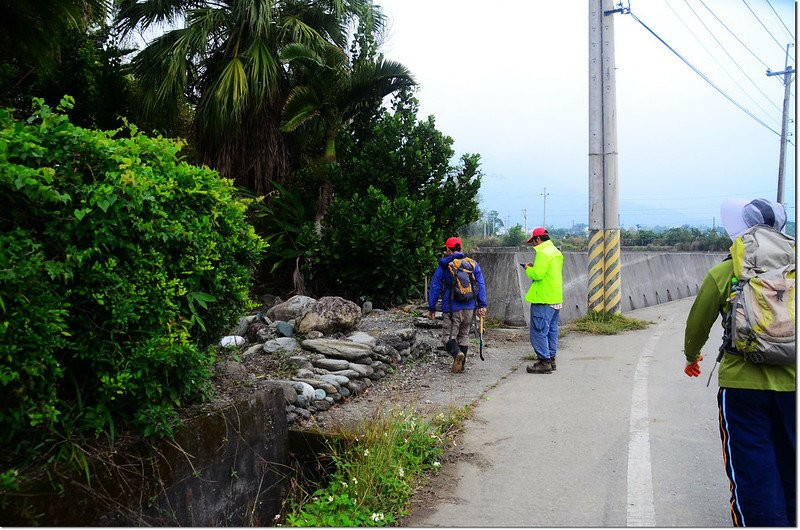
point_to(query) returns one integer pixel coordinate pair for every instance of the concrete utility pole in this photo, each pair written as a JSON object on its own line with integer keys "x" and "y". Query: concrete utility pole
{"x": 525, "y": 217}
{"x": 605, "y": 287}
{"x": 544, "y": 209}
{"x": 787, "y": 84}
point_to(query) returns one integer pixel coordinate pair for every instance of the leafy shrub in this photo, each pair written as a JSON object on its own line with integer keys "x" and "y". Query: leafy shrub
{"x": 119, "y": 265}
{"x": 376, "y": 247}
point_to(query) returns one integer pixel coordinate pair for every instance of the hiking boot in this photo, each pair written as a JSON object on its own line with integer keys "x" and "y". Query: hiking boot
{"x": 458, "y": 363}
{"x": 553, "y": 364}
{"x": 540, "y": 367}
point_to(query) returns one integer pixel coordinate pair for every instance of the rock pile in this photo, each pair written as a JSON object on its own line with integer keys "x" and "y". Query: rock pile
{"x": 329, "y": 359}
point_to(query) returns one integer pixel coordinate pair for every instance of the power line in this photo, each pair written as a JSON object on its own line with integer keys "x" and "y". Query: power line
{"x": 763, "y": 26}
{"x": 701, "y": 74}
{"x": 791, "y": 36}
{"x": 735, "y": 36}
{"x": 734, "y": 61}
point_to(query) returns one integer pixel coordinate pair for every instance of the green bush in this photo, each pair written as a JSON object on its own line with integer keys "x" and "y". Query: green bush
{"x": 119, "y": 266}
{"x": 377, "y": 248}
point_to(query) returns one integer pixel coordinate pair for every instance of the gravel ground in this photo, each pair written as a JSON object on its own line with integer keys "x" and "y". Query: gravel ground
{"x": 427, "y": 384}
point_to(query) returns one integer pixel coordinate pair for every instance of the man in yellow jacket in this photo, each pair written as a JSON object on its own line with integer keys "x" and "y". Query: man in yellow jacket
{"x": 545, "y": 296}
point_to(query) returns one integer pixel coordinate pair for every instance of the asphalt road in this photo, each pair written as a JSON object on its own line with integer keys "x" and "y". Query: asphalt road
{"x": 618, "y": 436}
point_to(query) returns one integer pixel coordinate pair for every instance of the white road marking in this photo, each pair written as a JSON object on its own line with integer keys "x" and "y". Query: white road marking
{"x": 641, "y": 507}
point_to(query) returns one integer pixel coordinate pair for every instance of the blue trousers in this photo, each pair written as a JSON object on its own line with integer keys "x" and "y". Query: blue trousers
{"x": 759, "y": 448}
{"x": 544, "y": 330}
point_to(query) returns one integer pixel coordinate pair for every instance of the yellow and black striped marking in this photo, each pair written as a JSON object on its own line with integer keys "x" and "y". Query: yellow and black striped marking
{"x": 612, "y": 285}
{"x": 596, "y": 259}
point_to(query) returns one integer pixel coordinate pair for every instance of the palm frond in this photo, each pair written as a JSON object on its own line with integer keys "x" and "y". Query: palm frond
{"x": 133, "y": 14}
{"x": 302, "y": 105}
{"x": 262, "y": 69}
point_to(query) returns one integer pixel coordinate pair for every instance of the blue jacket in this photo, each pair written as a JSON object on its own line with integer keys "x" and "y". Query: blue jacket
{"x": 441, "y": 287}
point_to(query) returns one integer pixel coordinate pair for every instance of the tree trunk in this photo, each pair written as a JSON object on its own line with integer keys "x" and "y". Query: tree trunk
{"x": 326, "y": 188}
{"x": 253, "y": 156}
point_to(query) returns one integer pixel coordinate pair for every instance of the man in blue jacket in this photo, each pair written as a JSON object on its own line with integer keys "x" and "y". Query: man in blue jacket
{"x": 460, "y": 299}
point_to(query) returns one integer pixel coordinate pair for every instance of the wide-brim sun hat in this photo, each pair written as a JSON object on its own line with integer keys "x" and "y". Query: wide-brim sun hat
{"x": 740, "y": 214}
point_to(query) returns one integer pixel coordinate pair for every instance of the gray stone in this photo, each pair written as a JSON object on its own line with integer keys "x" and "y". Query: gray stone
{"x": 355, "y": 387}
{"x": 363, "y": 370}
{"x": 350, "y": 374}
{"x": 286, "y": 344}
{"x": 305, "y": 413}
{"x": 328, "y": 388}
{"x": 344, "y": 392}
{"x": 334, "y": 379}
{"x": 319, "y": 394}
{"x": 362, "y": 338}
{"x": 314, "y": 334}
{"x": 321, "y": 404}
{"x": 303, "y": 389}
{"x": 289, "y": 390}
{"x": 329, "y": 315}
{"x": 294, "y": 307}
{"x": 252, "y": 350}
{"x": 264, "y": 334}
{"x": 284, "y": 329}
{"x": 304, "y": 373}
{"x": 339, "y": 349}
{"x": 233, "y": 370}
{"x": 299, "y": 362}
{"x": 366, "y": 307}
{"x": 302, "y": 401}
{"x": 242, "y": 325}
{"x": 428, "y": 323}
{"x": 331, "y": 364}
{"x": 330, "y": 399}
{"x": 407, "y": 334}
{"x": 291, "y": 417}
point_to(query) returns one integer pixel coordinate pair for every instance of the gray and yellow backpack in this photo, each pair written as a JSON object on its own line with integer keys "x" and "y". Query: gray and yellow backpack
{"x": 760, "y": 322}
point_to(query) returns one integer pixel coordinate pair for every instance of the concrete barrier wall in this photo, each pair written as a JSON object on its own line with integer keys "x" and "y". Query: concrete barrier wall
{"x": 648, "y": 278}
{"x": 224, "y": 468}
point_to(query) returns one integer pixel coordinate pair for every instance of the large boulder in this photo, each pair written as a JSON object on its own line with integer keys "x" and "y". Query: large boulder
{"x": 329, "y": 315}
{"x": 292, "y": 308}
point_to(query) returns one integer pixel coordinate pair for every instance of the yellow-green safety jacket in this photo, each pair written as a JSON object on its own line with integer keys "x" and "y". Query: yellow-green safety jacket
{"x": 546, "y": 275}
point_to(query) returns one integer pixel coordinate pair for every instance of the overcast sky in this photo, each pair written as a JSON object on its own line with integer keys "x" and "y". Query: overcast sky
{"x": 508, "y": 79}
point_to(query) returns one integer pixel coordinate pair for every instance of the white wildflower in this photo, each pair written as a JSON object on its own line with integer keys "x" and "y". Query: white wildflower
{"x": 401, "y": 472}
{"x": 330, "y": 498}
{"x": 344, "y": 484}
{"x": 377, "y": 516}
{"x": 436, "y": 464}
{"x": 366, "y": 452}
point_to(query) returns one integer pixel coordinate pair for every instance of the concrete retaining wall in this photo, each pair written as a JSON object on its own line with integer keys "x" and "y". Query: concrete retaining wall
{"x": 224, "y": 468}
{"x": 648, "y": 278}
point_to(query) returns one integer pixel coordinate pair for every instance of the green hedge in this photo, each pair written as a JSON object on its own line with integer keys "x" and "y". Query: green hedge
{"x": 119, "y": 266}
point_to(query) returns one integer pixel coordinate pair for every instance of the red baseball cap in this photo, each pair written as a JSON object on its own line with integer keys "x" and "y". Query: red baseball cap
{"x": 452, "y": 242}
{"x": 537, "y": 232}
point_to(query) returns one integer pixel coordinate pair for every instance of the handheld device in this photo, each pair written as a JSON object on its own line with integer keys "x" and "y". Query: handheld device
{"x": 522, "y": 265}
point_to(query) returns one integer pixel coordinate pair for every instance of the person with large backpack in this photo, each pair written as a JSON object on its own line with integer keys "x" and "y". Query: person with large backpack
{"x": 754, "y": 292}
{"x": 458, "y": 281}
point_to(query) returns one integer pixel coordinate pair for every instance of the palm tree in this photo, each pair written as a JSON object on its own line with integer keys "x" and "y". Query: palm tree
{"x": 225, "y": 62}
{"x": 31, "y": 32}
{"x": 333, "y": 94}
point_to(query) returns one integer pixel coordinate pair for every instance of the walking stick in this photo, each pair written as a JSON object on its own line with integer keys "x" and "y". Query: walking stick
{"x": 480, "y": 336}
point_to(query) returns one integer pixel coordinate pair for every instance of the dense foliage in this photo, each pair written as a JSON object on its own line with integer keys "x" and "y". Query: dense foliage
{"x": 399, "y": 197}
{"x": 119, "y": 264}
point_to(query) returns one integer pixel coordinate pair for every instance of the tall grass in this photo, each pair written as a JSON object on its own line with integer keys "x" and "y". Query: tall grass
{"x": 603, "y": 323}
{"x": 376, "y": 469}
